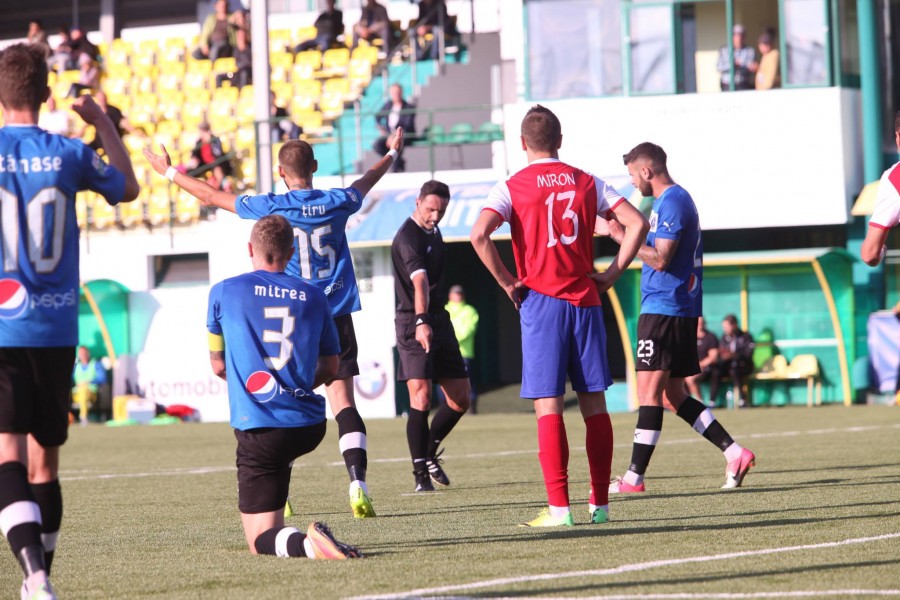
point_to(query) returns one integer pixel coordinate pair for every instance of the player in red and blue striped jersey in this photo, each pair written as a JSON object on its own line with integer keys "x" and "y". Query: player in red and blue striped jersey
{"x": 40, "y": 173}
{"x": 887, "y": 209}
{"x": 552, "y": 209}
{"x": 272, "y": 338}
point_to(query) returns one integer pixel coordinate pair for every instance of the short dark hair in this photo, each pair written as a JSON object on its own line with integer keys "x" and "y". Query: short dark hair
{"x": 23, "y": 77}
{"x": 438, "y": 188}
{"x": 37, "y": 22}
{"x": 648, "y": 151}
{"x": 731, "y": 319}
{"x": 541, "y": 129}
{"x": 897, "y": 122}
{"x": 296, "y": 158}
{"x": 273, "y": 237}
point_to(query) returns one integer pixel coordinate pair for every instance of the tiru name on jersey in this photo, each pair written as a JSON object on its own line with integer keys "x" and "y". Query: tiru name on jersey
{"x": 313, "y": 210}
{"x": 555, "y": 179}
{"x": 273, "y": 291}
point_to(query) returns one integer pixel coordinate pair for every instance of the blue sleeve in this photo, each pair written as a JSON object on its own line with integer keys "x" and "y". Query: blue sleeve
{"x": 100, "y": 377}
{"x": 254, "y": 207}
{"x": 214, "y": 311}
{"x": 352, "y": 200}
{"x": 100, "y": 177}
{"x": 670, "y": 220}
{"x": 329, "y": 344}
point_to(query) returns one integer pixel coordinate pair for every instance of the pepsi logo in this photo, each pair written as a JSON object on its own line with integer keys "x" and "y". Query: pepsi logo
{"x": 13, "y": 299}
{"x": 693, "y": 285}
{"x": 262, "y": 386}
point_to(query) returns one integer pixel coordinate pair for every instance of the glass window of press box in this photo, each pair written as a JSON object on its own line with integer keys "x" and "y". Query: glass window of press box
{"x": 590, "y": 48}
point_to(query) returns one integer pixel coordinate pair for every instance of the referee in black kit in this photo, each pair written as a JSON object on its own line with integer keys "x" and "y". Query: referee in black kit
{"x": 425, "y": 339}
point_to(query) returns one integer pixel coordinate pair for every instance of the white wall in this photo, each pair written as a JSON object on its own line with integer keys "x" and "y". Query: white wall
{"x": 749, "y": 159}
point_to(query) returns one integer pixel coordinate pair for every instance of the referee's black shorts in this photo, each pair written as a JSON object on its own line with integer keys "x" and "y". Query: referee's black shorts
{"x": 264, "y": 459}
{"x": 36, "y": 392}
{"x": 348, "y": 365}
{"x": 443, "y": 362}
{"x": 667, "y": 343}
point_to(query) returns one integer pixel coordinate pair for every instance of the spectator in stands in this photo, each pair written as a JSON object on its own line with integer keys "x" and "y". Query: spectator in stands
{"x": 61, "y": 58}
{"x": 329, "y": 27}
{"x": 707, "y": 355}
{"x": 87, "y": 377}
{"x": 115, "y": 115}
{"x": 53, "y": 119}
{"x": 373, "y": 24}
{"x": 735, "y": 359}
{"x": 243, "y": 58}
{"x": 431, "y": 13}
{"x": 395, "y": 113}
{"x": 88, "y": 76}
{"x": 282, "y": 126}
{"x": 37, "y": 36}
{"x": 81, "y": 45}
{"x": 208, "y": 156}
{"x": 768, "y": 75}
{"x": 217, "y": 36}
{"x": 744, "y": 62}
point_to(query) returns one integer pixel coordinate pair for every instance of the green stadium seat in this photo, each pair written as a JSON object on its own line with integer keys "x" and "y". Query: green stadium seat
{"x": 460, "y": 133}
{"x": 436, "y": 134}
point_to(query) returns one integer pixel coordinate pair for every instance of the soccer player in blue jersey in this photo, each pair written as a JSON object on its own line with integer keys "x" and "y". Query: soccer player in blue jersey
{"x": 671, "y": 303}
{"x": 273, "y": 339}
{"x": 40, "y": 174}
{"x": 319, "y": 219}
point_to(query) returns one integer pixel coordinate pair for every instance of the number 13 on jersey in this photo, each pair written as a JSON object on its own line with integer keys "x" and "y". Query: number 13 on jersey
{"x": 568, "y": 214}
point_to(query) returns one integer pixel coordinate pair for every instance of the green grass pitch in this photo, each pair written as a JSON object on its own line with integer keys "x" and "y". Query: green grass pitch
{"x": 151, "y": 512}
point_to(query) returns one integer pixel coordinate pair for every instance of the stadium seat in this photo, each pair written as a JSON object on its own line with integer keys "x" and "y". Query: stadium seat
{"x": 460, "y": 133}
{"x": 193, "y": 112}
{"x": 366, "y": 53}
{"x": 135, "y": 144}
{"x": 172, "y": 53}
{"x": 143, "y": 84}
{"x": 245, "y": 111}
{"x": 312, "y": 58}
{"x": 114, "y": 85}
{"x": 331, "y": 105}
{"x": 226, "y": 94}
{"x": 81, "y": 208}
{"x": 806, "y": 366}
{"x": 301, "y": 72}
{"x": 359, "y": 72}
{"x": 245, "y": 140}
{"x": 308, "y": 88}
{"x": 335, "y": 61}
{"x": 304, "y": 34}
{"x": 169, "y": 107}
{"x": 489, "y": 132}
{"x": 102, "y": 215}
{"x": 132, "y": 213}
{"x": 302, "y": 104}
{"x": 187, "y": 208}
{"x": 311, "y": 122}
{"x": 159, "y": 208}
{"x": 283, "y": 93}
{"x": 170, "y": 79}
{"x": 435, "y": 134}
{"x": 339, "y": 86}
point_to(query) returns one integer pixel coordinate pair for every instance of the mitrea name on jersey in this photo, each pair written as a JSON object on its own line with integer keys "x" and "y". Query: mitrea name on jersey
{"x": 40, "y": 173}
{"x": 678, "y": 290}
{"x": 321, "y": 254}
{"x": 275, "y": 328}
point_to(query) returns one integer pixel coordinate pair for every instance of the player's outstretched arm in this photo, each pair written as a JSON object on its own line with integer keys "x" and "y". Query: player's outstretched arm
{"x": 201, "y": 190}
{"x": 92, "y": 114}
{"x": 488, "y": 221}
{"x": 872, "y": 250}
{"x": 326, "y": 369}
{"x": 365, "y": 183}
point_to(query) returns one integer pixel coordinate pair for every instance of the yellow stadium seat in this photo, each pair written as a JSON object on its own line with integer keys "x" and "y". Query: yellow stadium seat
{"x": 120, "y": 101}
{"x": 308, "y": 88}
{"x": 51, "y": 78}
{"x": 225, "y": 65}
{"x": 246, "y": 92}
{"x": 281, "y": 59}
{"x": 187, "y": 208}
{"x": 103, "y": 215}
{"x": 143, "y": 85}
{"x": 159, "y": 208}
{"x": 223, "y": 125}
{"x": 335, "y": 61}
{"x": 245, "y": 111}
{"x": 131, "y": 213}
{"x": 311, "y": 122}
{"x": 366, "y": 53}
{"x": 245, "y": 140}
{"x": 81, "y": 208}
{"x": 301, "y": 104}
{"x": 117, "y": 55}
{"x": 337, "y": 85}
{"x": 331, "y": 105}
{"x": 301, "y": 72}
{"x": 226, "y": 94}
{"x": 114, "y": 85}
{"x": 193, "y": 113}
{"x": 305, "y": 34}
{"x": 134, "y": 143}
{"x": 168, "y": 82}
{"x": 144, "y": 58}
{"x": 309, "y": 57}
{"x": 283, "y": 93}
{"x": 169, "y": 108}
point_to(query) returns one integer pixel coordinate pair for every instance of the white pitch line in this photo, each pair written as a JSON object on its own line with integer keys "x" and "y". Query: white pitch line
{"x": 220, "y": 469}
{"x": 628, "y": 568}
{"x": 729, "y": 596}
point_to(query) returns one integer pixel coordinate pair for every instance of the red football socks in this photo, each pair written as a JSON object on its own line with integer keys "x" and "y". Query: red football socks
{"x": 553, "y": 453}
{"x": 599, "y": 445}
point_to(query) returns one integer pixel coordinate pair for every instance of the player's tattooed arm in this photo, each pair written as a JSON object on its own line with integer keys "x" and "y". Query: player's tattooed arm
{"x": 201, "y": 190}
{"x": 217, "y": 361}
{"x": 659, "y": 255}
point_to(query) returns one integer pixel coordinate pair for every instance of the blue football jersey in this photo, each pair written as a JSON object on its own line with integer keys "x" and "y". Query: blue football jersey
{"x": 275, "y": 328}
{"x": 40, "y": 174}
{"x": 677, "y": 291}
{"x": 321, "y": 254}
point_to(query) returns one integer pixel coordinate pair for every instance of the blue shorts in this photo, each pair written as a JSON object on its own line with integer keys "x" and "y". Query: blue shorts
{"x": 560, "y": 339}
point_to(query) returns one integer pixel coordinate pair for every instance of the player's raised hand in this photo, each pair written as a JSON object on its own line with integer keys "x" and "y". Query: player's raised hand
{"x": 159, "y": 162}
{"x": 395, "y": 141}
{"x": 85, "y": 107}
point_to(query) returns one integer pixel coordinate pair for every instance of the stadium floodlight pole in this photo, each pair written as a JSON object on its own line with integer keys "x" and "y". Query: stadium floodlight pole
{"x": 259, "y": 33}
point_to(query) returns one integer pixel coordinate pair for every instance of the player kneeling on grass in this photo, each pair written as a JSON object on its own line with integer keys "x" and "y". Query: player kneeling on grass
{"x": 273, "y": 339}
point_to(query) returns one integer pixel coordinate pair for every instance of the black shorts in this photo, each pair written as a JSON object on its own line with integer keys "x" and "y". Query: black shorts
{"x": 667, "y": 343}
{"x": 443, "y": 362}
{"x": 36, "y": 392}
{"x": 264, "y": 459}
{"x": 348, "y": 366}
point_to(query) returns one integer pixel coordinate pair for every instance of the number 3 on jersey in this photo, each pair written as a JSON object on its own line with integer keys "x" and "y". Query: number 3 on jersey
{"x": 568, "y": 213}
